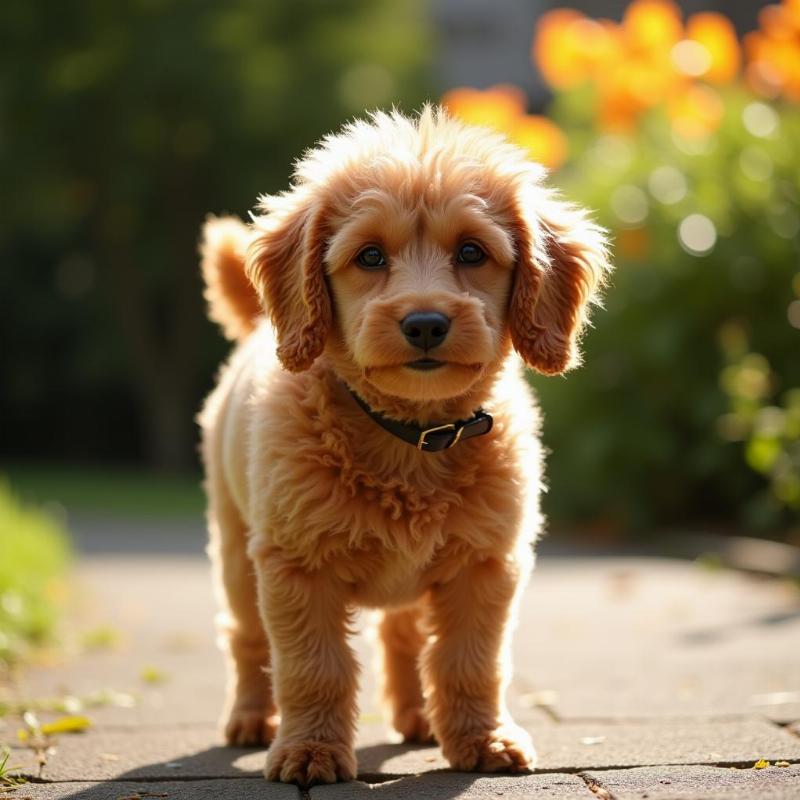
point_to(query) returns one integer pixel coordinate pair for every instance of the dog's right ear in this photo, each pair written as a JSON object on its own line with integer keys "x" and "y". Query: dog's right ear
{"x": 563, "y": 263}
{"x": 285, "y": 264}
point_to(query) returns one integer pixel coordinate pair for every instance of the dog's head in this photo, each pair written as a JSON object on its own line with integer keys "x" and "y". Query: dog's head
{"x": 414, "y": 251}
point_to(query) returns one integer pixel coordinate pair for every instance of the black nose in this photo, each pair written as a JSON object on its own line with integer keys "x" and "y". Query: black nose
{"x": 425, "y": 329}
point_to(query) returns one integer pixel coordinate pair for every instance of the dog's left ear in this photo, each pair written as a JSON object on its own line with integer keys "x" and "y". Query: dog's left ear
{"x": 285, "y": 264}
{"x": 562, "y": 264}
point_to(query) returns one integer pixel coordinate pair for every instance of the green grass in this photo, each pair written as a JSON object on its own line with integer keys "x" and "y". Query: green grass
{"x": 35, "y": 555}
{"x": 9, "y": 780}
{"x": 114, "y": 491}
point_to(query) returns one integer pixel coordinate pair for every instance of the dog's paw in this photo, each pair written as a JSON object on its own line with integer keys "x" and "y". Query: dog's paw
{"x": 413, "y": 725}
{"x": 506, "y": 749}
{"x": 307, "y": 762}
{"x": 248, "y": 727}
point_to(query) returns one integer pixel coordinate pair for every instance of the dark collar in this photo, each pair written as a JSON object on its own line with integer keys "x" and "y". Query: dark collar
{"x": 435, "y": 437}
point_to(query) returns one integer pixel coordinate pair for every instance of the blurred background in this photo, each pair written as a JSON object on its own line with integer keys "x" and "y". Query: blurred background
{"x": 122, "y": 125}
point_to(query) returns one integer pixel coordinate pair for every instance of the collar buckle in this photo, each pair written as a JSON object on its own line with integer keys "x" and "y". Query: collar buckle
{"x": 421, "y": 442}
{"x": 426, "y": 440}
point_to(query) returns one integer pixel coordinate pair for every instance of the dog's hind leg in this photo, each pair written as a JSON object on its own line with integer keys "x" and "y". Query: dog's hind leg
{"x": 402, "y": 640}
{"x": 250, "y": 716}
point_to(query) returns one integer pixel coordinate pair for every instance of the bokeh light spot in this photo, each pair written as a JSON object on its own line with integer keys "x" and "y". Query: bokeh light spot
{"x": 783, "y": 219}
{"x": 616, "y": 151}
{"x": 697, "y": 234}
{"x": 793, "y": 314}
{"x": 629, "y": 203}
{"x": 690, "y": 58}
{"x": 667, "y": 185}
{"x": 760, "y": 119}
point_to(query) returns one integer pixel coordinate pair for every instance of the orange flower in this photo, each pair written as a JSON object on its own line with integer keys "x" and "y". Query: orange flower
{"x": 557, "y": 49}
{"x": 621, "y": 98}
{"x": 717, "y": 36}
{"x": 544, "y": 140}
{"x": 777, "y": 21}
{"x": 773, "y": 52}
{"x": 652, "y": 26}
{"x": 496, "y": 108}
{"x": 696, "y": 112}
{"x": 629, "y": 63}
{"x": 762, "y": 75}
{"x": 792, "y": 8}
{"x": 568, "y": 47}
{"x": 502, "y": 108}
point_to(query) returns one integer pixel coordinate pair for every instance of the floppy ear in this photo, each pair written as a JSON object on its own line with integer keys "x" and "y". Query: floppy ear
{"x": 285, "y": 263}
{"x": 562, "y": 265}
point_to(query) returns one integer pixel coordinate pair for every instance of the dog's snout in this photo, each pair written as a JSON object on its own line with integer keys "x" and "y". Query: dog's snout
{"x": 425, "y": 329}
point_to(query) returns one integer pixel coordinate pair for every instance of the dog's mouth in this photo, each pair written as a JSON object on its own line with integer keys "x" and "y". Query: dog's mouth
{"x": 421, "y": 365}
{"x": 425, "y": 364}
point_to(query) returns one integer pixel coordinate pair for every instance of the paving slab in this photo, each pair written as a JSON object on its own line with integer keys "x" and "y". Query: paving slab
{"x": 158, "y": 614}
{"x": 447, "y": 786}
{"x": 627, "y": 638}
{"x": 164, "y": 753}
{"x": 171, "y": 633}
{"x": 187, "y": 752}
{"x": 574, "y": 746}
{"x": 635, "y": 670}
{"x": 251, "y": 789}
{"x": 695, "y": 782}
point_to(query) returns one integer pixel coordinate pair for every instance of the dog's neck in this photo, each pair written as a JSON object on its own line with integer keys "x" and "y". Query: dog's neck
{"x": 416, "y": 412}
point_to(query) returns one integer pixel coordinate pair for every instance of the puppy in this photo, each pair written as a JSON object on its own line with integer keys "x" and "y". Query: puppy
{"x": 372, "y": 441}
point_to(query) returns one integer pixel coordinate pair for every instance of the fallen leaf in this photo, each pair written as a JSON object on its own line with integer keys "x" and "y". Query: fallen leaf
{"x": 544, "y": 697}
{"x": 761, "y": 764}
{"x": 150, "y": 674}
{"x": 72, "y": 724}
{"x": 103, "y": 637}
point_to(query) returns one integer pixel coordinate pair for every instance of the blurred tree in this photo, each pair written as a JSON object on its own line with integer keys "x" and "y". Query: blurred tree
{"x": 685, "y": 142}
{"x": 123, "y": 124}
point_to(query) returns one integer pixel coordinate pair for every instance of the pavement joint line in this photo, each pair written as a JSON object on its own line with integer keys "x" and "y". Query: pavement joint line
{"x": 386, "y": 777}
{"x": 687, "y": 719}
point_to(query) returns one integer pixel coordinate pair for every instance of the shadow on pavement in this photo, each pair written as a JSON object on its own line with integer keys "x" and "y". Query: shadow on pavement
{"x": 712, "y": 635}
{"x": 213, "y": 773}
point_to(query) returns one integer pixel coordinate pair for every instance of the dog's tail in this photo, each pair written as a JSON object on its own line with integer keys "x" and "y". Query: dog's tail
{"x": 232, "y": 300}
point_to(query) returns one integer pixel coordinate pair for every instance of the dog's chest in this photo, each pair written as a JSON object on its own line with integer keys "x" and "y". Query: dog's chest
{"x": 393, "y": 579}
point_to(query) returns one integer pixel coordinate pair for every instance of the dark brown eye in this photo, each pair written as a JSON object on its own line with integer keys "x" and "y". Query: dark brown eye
{"x": 470, "y": 253}
{"x": 371, "y": 258}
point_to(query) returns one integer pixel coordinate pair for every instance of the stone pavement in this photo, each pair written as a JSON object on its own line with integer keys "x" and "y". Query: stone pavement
{"x": 638, "y": 678}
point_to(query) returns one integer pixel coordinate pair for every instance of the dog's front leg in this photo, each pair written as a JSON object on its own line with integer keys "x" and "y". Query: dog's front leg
{"x": 314, "y": 673}
{"x": 465, "y": 670}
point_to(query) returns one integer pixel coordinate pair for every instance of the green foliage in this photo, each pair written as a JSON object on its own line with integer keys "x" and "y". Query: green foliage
{"x": 35, "y": 554}
{"x": 638, "y": 433}
{"x": 132, "y": 494}
{"x": 768, "y": 422}
{"x": 124, "y": 124}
